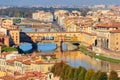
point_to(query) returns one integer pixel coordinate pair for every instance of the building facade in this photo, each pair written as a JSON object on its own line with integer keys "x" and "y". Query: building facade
{"x": 43, "y": 16}
{"x": 114, "y": 39}
{"x": 14, "y": 37}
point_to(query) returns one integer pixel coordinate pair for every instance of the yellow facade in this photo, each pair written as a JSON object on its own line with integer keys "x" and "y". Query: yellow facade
{"x": 14, "y": 37}
{"x": 10, "y": 67}
{"x": 2, "y": 73}
{"x": 43, "y": 67}
{"x": 88, "y": 39}
{"x": 114, "y": 41}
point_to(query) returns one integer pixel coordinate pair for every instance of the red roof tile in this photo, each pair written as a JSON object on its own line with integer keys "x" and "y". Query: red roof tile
{"x": 6, "y": 53}
{"x": 27, "y": 62}
{"x": 17, "y": 73}
{"x": 35, "y": 58}
{"x": 21, "y": 58}
{"x": 8, "y": 77}
{"x": 109, "y": 24}
{"x": 10, "y": 61}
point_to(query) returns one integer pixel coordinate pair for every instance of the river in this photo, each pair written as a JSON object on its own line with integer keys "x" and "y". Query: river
{"x": 74, "y": 58}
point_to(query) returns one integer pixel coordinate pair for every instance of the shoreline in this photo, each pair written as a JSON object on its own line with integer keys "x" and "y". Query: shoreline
{"x": 90, "y": 53}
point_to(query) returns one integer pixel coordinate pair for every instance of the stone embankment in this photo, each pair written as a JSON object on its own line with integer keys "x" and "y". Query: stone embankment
{"x": 71, "y": 46}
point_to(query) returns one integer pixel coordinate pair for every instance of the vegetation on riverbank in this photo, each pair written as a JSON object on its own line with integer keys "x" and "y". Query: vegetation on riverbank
{"x": 84, "y": 50}
{"x": 8, "y": 49}
{"x": 66, "y": 72}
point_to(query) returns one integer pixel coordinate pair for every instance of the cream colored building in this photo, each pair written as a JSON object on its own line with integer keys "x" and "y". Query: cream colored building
{"x": 57, "y": 13}
{"x": 7, "y": 23}
{"x": 24, "y": 63}
{"x": 107, "y": 35}
{"x": 43, "y": 16}
{"x": 88, "y": 38}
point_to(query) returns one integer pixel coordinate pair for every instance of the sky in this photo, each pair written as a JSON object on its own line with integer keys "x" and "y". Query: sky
{"x": 56, "y": 2}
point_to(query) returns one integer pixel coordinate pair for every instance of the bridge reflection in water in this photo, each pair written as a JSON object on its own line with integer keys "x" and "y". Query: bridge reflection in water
{"x": 44, "y": 47}
{"x": 25, "y": 47}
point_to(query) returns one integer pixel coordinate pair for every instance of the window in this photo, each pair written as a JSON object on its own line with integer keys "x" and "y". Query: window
{"x": 116, "y": 48}
{"x": 117, "y": 43}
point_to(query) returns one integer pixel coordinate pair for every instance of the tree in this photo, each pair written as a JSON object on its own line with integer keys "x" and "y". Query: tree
{"x": 76, "y": 74}
{"x": 102, "y": 76}
{"x": 71, "y": 75}
{"x": 113, "y": 76}
{"x": 89, "y": 74}
{"x": 81, "y": 75}
{"x": 8, "y": 49}
{"x": 95, "y": 76}
{"x": 65, "y": 72}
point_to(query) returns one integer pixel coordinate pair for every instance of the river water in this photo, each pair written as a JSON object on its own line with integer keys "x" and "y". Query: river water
{"x": 73, "y": 58}
{"x": 77, "y": 58}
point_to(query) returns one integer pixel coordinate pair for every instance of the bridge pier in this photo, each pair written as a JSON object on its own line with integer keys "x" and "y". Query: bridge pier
{"x": 59, "y": 45}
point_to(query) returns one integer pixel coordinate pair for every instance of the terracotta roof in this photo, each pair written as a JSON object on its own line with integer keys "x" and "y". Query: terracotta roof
{"x": 35, "y": 58}
{"x": 109, "y": 24}
{"x": 17, "y": 73}
{"x": 6, "y": 53}
{"x": 21, "y": 58}
{"x": 23, "y": 78}
{"x": 47, "y": 54}
{"x": 33, "y": 75}
{"x": 38, "y": 62}
{"x": 34, "y": 55}
{"x": 29, "y": 74}
{"x": 27, "y": 62}
{"x": 10, "y": 61}
{"x": 115, "y": 31}
{"x": 103, "y": 25}
{"x": 8, "y": 77}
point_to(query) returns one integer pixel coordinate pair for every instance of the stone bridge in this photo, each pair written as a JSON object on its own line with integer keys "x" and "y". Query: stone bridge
{"x": 54, "y": 36}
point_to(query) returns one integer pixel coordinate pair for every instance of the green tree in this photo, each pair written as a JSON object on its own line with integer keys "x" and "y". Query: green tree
{"x": 76, "y": 74}
{"x": 81, "y": 75}
{"x": 102, "y": 76}
{"x": 71, "y": 75}
{"x": 113, "y": 76}
{"x": 89, "y": 74}
{"x": 8, "y": 49}
{"x": 95, "y": 76}
{"x": 64, "y": 72}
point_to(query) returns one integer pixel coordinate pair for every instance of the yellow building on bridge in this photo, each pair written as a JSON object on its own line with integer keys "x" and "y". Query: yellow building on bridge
{"x": 81, "y": 37}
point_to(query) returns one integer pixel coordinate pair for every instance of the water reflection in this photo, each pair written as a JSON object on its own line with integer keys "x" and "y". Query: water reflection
{"x": 64, "y": 47}
{"x": 76, "y": 59}
{"x": 46, "y": 46}
{"x": 25, "y": 47}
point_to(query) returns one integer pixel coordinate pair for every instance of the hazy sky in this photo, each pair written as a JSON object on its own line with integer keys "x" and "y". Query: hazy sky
{"x": 56, "y": 2}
